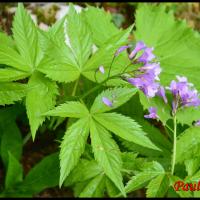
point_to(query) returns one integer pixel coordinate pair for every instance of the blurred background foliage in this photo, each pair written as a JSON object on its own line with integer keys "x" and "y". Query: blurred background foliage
{"x": 46, "y": 14}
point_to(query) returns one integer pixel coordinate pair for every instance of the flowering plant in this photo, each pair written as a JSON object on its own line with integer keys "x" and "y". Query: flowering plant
{"x": 127, "y": 123}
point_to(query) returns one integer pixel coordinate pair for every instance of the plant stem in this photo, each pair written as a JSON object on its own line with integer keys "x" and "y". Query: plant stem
{"x": 174, "y": 147}
{"x": 26, "y": 138}
{"x": 110, "y": 67}
{"x": 98, "y": 86}
{"x": 75, "y": 87}
{"x": 169, "y": 128}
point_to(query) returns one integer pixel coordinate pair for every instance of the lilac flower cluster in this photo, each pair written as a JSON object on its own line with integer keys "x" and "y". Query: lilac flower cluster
{"x": 148, "y": 74}
{"x": 146, "y": 79}
{"x": 184, "y": 95}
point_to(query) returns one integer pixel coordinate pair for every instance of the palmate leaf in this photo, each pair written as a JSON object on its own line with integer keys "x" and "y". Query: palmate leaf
{"x": 111, "y": 189}
{"x": 11, "y": 57}
{"x": 55, "y": 32}
{"x": 64, "y": 68}
{"x": 104, "y": 55}
{"x": 73, "y": 146}
{"x": 119, "y": 64}
{"x": 40, "y": 99}
{"x": 125, "y": 127}
{"x": 7, "y": 40}
{"x": 188, "y": 144}
{"x": 192, "y": 165}
{"x": 10, "y": 74}
{"x": 26, "y": 36}
{"x": 176, "y": 45}
{"x": 100, "y": 24}
{"x": 107, "y": 153}
{"x": 194, "y": 178}
{"x": 118, "y": 95}
{"x": 11, "y": 92}
{"x": 84, "y": 171}
{"x": 14, "y": 174}
{"x": 95, "y": 188}
{"x": 149, "y": 171}
{"x": 158, "y": 186}
{"x": 79, "y": 34}
{"x": 188, "y": 115}
{"x": 69, "y": 109}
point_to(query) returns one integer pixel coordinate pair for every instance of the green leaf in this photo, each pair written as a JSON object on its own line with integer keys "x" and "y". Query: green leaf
{"x": 125, "y": 127}
{"x": 188, "y": 144}
{"x": 84, "y": 171}
{"x": 107, "y": 153}
{"x": 10, "y": 57}
{"x": 181, "y": 193}
{"x": 40, "y": 99}
{"x": 64, "y": 68}
{"x": 105, "y": 54}
{"x": 54, "y": 32}
{"x": 26, "y": 37}
{"x": 43, "y": 175}
{"x": 119, "y": 64}
{"x": 188, "y": 115}
{"x": 176, "y": 45}
{"x": 158, "y": 186}
{"x": 11, "y": 140}
{"x": 79, "y": 187}
{"x": 6, "y": 40}
{"x": 163, "y": 110}
{"x": 111, "y": 189}
{"x": 192, "y": 165}
{"x": 79, "y": 34}
{"x": 11, "y": 92}
{"x": 100, "y": 24}
{"x": 14, "y": 173}
{"x": 69, "y": 109}
{"x": 116, "y": 95}
{"x": 149, "y": 171}
{"x": 195, "y": 177}
{"x": 10, "y": 74}
{"x": 95, "y": 188}
{"x": 73, "y": 146}
{"x": 129, "y": 160}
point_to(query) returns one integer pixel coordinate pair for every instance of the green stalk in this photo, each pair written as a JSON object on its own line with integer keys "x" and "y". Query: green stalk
{"x": 174, "y": 148}
{"x": 75, "y": 87}
{"x": 97, "y": 87}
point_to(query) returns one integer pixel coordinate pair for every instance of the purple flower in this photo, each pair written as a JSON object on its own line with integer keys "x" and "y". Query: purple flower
{"x": 122, "y": 48}
{"x": 152, "y": 68}
{"x": 152, "y": 113}
{"x": 146, "y": 83}
{"x": 107, "y": 102}
{"x": 101, "y": 69}
{"x": 161, "y": 93}
{"x": 139, "y": 46}
{"x": 147, "y": 56}
{"x": 183, "y": 93}
{"x": 197, "y": 123}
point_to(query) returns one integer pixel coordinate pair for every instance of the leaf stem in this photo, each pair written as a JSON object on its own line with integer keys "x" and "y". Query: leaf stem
{"x": 98, "y": 86}
{"x": 174, "y": 147}
{"x": 111, "y": 66}
{"x": 75, "y": 87}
